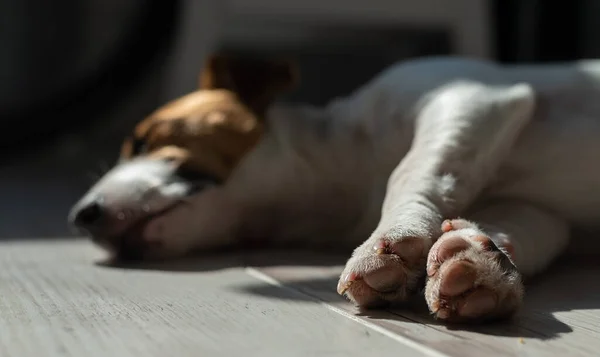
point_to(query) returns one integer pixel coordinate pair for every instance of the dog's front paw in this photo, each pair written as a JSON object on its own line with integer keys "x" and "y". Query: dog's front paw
{"x": 471, "y": 278}
{"x": 384, "y": 270}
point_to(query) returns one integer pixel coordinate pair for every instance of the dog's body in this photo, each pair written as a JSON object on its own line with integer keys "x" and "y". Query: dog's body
{"x": 511, "y": 149}
{"x": 314, "y": 159}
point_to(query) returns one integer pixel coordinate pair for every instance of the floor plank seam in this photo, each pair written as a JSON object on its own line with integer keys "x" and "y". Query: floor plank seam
{"x": 398, "y": 338}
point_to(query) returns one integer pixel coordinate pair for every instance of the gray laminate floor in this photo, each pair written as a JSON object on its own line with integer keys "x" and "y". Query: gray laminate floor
{"x": 61, "y": 298}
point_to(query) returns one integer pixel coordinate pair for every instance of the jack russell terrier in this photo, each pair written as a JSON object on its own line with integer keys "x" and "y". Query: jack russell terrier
{"x": 463, "y": 173}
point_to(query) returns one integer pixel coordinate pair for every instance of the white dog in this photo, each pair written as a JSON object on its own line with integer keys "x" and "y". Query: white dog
{"x": 390, "y": 169}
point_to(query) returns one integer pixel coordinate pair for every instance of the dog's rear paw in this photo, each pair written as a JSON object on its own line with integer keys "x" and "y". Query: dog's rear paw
{"x": 384, "y": 270}
{"x": 471, "y": 278}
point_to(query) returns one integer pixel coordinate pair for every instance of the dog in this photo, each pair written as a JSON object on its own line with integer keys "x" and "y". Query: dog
{"x": 457, "y": 175}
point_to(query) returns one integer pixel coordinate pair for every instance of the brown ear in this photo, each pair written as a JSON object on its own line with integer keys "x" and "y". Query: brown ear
{"x": 257, "y": 82}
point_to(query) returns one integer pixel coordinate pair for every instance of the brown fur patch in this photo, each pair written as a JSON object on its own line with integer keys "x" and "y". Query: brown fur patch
{"x": 210, "y": 130}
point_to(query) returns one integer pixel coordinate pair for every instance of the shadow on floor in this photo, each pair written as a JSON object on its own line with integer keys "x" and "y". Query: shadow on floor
{"x": 534, "y": 321}
{"x": 227, "y": 259}
{"x": 565, "y": 287}
{"x": 568, "y": 286}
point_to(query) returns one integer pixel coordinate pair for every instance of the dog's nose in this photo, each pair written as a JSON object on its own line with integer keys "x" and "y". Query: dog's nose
{"x": 88, "y": 215}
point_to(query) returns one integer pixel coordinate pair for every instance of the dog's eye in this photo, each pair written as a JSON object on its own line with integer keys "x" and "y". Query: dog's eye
{"x": 138, "y": 146}
{"x": 196, "y": 176}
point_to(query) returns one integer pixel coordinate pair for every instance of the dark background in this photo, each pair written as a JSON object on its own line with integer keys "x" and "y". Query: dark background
{"x": 69, "y": 92}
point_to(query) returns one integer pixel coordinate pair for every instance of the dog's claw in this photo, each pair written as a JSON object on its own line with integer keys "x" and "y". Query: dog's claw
{"x": 342, "y": 288}
{"x": 381, "y": 248}
{"x": 345, "y": 284}
{"x": 447, "y": 226}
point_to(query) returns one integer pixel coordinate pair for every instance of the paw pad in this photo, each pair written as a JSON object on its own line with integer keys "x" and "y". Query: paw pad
{"x": 384, "y": 270}
{"x": 469, "y": 277}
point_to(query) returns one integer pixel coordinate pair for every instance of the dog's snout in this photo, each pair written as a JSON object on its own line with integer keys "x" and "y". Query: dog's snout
{"x": 88, "y": 215}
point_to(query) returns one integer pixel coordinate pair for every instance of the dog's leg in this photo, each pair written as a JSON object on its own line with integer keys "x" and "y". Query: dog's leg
{"x": 474, "y": 269}
{"x": 462, "y": 135}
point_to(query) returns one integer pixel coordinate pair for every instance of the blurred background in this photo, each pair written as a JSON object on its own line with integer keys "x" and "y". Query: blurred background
{"x": 76, "y": 75}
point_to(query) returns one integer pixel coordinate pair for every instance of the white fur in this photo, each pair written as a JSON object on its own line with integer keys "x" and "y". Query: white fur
{"x": 425, "y": 140}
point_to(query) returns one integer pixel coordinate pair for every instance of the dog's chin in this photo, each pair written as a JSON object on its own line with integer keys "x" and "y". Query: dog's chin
{"x": 132, "y": 245}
